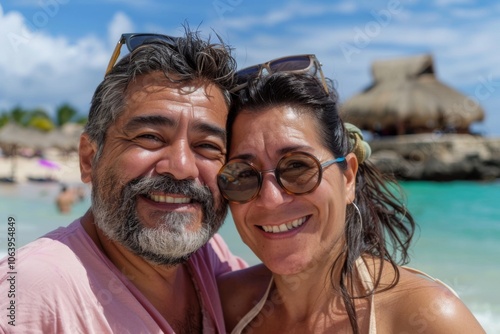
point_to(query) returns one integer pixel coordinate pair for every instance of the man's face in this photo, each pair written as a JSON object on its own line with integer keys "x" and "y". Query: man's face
{"x": 154, "y": 186}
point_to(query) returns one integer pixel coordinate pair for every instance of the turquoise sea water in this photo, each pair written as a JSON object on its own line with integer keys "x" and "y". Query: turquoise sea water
{"x": 458, "y": 240}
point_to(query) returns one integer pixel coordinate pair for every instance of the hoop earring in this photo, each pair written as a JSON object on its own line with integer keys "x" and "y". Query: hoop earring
{"x": 360, "y": 218}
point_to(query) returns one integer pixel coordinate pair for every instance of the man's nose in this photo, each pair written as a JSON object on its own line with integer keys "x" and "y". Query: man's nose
{"x": 179, "y": 160}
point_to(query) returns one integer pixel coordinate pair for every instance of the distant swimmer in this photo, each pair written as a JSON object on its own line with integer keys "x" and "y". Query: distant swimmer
{"x": 65, "y": 199}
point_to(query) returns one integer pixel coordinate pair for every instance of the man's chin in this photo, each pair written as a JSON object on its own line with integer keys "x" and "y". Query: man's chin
{"x": 168, "y": 261}
{"x": 167, "y": 245}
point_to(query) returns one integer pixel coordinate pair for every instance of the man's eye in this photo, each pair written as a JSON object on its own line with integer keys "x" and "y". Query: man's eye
{"x": 210, "y": 150}
{"x": 210, "y": 146}
{"x": 149, "y": 136}
{"x": 149, "y": 141}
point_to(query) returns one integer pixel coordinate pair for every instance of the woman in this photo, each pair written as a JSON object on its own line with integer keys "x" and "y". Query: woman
{"x": 324, "y": 222}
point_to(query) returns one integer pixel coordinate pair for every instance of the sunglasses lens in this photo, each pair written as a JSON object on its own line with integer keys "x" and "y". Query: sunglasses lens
{"x": 245, "y": 74}
{"x": 134, "y": 41}
{"x": 238, "y": 181}
{"x": 298, "y": 173}
{"x": 290, "y": 64}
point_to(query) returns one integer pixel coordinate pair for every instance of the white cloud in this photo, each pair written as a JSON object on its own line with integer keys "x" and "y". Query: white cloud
{"x": 44, "y": 71}
{"x": 471, "y": 14}
{"x": 120, "y": 24}
{"x": 446, "y": 3}
{"x": 290, "y": 12}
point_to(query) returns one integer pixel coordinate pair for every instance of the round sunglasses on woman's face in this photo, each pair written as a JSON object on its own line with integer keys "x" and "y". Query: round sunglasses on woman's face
{"x": 296, "y": 172}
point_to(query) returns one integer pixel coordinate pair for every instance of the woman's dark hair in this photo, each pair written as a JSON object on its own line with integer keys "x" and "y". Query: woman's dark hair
{"x": 387, "y": 228}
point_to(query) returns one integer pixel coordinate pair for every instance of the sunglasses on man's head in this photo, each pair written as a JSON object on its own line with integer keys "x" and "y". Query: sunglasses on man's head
{"x": 133, "y": 41}
{"x": 296, "y": 172}
{"x": 292, "y": 64}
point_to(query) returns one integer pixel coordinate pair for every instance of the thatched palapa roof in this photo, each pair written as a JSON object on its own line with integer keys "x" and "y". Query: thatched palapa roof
{"x": 406, "y": 97}
{"x": 67, "y": 137}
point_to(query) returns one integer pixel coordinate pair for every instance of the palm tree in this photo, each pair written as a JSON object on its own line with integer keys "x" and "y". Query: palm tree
{"x": 65, "y": 114}
{"x": 19, "y": 115}
{"x": 4, "y": 118}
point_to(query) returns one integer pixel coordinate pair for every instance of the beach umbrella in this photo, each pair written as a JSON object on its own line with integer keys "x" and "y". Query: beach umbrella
{"x": 406, "y": 97}
{"x": 49, "y": 164}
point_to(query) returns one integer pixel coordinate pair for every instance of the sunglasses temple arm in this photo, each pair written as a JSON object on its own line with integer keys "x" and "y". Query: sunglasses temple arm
{"x": 331, "y": 162}
{"x": 114, "y": 56}
{"x": 323, "y": 79}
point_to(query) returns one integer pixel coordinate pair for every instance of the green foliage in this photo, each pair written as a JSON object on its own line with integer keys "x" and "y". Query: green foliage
{"x": 19, "y": 116}
{"x": 39, "y": 118}
{"x": 82, "y": 120}
{"x": 41, "y": 123}
{"x": 65, "y": 114}
{"x": 4, "y": 119}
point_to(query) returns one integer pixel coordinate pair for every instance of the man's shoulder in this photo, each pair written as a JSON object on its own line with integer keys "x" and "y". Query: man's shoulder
{"x": 46, "y": 257}
{"x": 46, "y": 275}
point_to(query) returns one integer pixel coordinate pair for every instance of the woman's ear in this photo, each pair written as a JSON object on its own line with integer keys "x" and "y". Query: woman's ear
{"x": 350, "y": 177}
{"x": 86, "y": 151}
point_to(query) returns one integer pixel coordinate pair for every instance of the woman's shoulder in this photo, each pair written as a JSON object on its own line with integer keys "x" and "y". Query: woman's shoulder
{"x": 240, "y": 290}
{"x": 420, "y": 303}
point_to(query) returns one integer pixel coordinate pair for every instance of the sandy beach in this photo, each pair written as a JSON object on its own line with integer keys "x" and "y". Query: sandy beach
{"x": 62, "y": 168}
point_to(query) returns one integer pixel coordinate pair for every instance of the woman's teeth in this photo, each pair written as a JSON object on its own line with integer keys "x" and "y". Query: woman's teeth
{"x": 284, "y": 227}
{"x": 169, "y": 199}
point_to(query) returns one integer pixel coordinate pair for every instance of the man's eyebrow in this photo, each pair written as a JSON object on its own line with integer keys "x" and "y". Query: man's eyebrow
{"x": 151, "y": 120}
{"x": 212, "y": 130}
{"x": 157, "y": 120}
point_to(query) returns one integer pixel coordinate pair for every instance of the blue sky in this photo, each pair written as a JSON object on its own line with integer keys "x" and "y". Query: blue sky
{"x": 56, "y": 51}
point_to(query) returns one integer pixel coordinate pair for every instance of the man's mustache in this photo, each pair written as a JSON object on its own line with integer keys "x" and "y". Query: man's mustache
{"x": 145, "y": 185}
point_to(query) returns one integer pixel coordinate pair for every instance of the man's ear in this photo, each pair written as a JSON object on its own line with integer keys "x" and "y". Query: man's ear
{"x": 350, "y": 177}
{"x": 87, "y": 150}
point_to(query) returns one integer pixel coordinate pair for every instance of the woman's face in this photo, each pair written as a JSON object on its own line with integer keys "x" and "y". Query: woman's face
{"x": 263, "y": 138}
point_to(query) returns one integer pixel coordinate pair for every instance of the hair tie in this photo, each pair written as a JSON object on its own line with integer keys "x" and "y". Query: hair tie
{"x": 360, "y": 147}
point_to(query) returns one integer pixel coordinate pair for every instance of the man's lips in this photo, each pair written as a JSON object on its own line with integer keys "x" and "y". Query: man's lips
{"x": 161, "y": 198}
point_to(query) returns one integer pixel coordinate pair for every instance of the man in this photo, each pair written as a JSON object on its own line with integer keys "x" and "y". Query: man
{"x": 138, "y": 261}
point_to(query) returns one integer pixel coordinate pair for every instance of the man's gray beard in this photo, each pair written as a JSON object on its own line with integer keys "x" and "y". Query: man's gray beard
{"x": 170, "y": 241}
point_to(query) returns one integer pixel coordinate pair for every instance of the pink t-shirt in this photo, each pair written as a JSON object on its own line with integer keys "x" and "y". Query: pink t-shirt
{"x": 64, "y": 284}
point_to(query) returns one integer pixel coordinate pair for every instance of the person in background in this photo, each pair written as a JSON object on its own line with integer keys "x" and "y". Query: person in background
{"x": 329, "y": 228}
{"x": 65, "y": 199}
{"x": 145, "y": 257}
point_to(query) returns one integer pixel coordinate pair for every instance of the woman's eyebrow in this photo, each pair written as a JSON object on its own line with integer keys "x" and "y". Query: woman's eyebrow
{"x": 281, "y": 152}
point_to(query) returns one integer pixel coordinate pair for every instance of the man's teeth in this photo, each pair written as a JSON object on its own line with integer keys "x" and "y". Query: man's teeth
{"x": 170, "y": 199}
{"x": 284, "y": 227}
